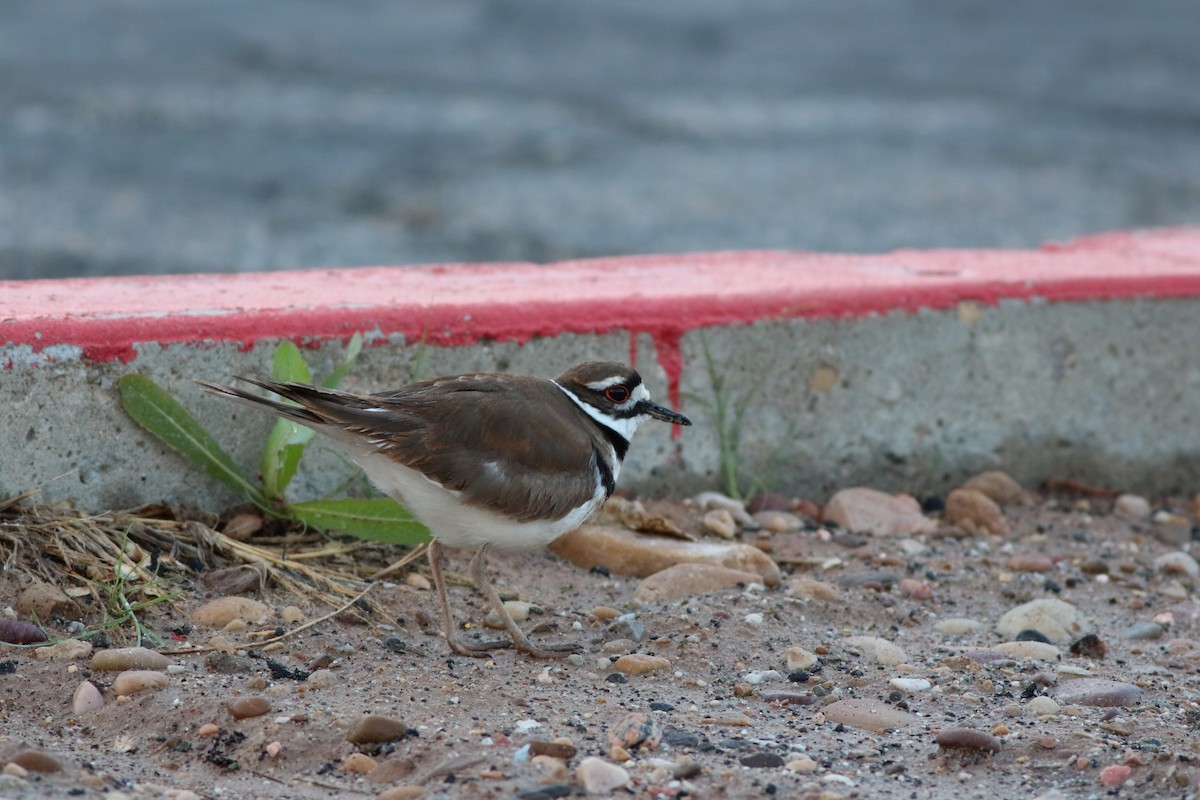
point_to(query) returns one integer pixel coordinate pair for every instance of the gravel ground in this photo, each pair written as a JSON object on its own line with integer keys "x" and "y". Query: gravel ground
{"x": 875, "y": 669}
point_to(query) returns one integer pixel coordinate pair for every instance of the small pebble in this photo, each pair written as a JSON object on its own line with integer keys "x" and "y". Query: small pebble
{"x": 778, "y": 521}
{"x": 762, "y": 676}
{"x": 1042, "y": 706}
{"x": 87, "y": 698}
{"x": 321, "y": 679}
{"x": 556, "y": 749}
{"x": 125, "y": 658}
{"x": 1177, "y": 563}
{"x": 220, "y": 612}
{"x": 519, "y": 610}
{"x": 1098, "y": 692}
{"x": 228, "y": 663}
{"x": 813, "y": 589}
{"x": 803, "y": 764}
{"x": 247, "y": 707}
{"x": 402, "y": 792}
{"x": 1132, "y": 506}
{"x": 968, "y": 739}
{"x": 691, "y": 580}
{"x": 997, "y": 486}
{"x": 636, "y": 731}
{"x": 874, "y": 578}
{"x": 1036, "y": 651}
{"x": 208, "y": 729}
{"x": 975, "y": 513}
{"x": 598, "y": 776}
{"x": 1144, "y": 631}
{"x": 139, "y": 680}
{"x": 869, "y": 714}
{"x": 292, "y": 615}
{"x": 358, "y": 763}
{"x": 1030, "y": 562}
{"x": 917, "y": 590}
{"x": 762, "y": 759}
{"x": 1060, "y": 622}
{"x": 957, "y": 626}
{"x": 417, "y": 581}
{"x": 640, "y": 663}
{"x": 375, "y": 728}
{"x": 66, "y": 650}
{"x": 866, "y": 510}
{"x": 798, "y": 658}
{"x": 36, "y": 761}
{"x": 605, "y": 613}
{"x": 720, "y": 522}
{"x": 711, "y": 500}
{"x": 1115, "y": 775}
{"x": 910, "y": 684}
{"x": 878, "y": 650}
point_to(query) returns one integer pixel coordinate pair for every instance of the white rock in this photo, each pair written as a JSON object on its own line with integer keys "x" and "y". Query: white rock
{"x": 1178, "y": 563}
{"x": 910, "y": 684}
{"x": 799, "y": 658}
{"x": 1132, "y": 506}
{"x": 762, "y": 676}
{"x": 598, "y": 776}
{"x": 87, "y": 698}
{"x": 1059, "y": 622}
{"x": 1037, "y": 651}
{"x": 876, "y": 649}
{"x": 720, "y": 522}
{"x": 711, "y": 500}
{"x": 957, "y": 626}
{"x": 1042, "y": 706}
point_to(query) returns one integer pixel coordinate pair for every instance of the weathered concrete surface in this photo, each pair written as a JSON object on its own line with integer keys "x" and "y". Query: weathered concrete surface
{"x": 164, "y": 136}
{"x": 905, "y": 371}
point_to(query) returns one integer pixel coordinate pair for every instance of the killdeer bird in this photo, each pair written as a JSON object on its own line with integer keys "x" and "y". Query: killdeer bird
{"x": 486, "y": 461}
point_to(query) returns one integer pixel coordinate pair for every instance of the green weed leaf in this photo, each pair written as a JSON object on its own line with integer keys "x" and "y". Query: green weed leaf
{"x": 151, "y": 407}
{"x": 286, "y": 442}
{"x": 353, "y": 348}
{"x": 378, "y": 519}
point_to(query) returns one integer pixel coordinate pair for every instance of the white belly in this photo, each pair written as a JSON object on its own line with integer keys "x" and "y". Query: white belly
{"x": 455, "y": 524}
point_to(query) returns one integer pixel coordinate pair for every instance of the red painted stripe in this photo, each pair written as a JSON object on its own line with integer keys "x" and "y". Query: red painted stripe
{"x": 664, "y": 296}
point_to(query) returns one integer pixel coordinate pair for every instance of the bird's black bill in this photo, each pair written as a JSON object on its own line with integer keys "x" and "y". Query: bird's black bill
{"x": 663, "y": 413}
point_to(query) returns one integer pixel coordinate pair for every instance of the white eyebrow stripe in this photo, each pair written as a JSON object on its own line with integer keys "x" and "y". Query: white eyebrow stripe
{"x": 600, "y": 386}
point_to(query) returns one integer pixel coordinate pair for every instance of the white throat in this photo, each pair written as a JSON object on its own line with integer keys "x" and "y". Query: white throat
{"x": 624, "y": 426}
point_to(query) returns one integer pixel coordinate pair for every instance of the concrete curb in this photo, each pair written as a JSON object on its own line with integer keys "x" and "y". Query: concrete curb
{"x": 853, "y": 346}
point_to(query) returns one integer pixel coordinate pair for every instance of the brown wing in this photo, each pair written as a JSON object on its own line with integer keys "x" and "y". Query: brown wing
{"x": 483, "y": 435}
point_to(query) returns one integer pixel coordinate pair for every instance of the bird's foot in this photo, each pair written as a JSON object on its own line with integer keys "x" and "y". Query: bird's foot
{"x": 476, "y": 649}
{"x": 547, "y": 651}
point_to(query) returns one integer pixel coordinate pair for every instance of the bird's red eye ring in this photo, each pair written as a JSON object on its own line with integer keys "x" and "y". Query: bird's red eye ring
{"x": 617, "y": 394}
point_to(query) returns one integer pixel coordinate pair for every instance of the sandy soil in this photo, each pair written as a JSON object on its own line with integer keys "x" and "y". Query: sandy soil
{"x": 725, "y": 734}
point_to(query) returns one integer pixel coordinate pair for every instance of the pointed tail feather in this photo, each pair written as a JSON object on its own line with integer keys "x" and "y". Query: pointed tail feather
{"x": 295, "y": 413}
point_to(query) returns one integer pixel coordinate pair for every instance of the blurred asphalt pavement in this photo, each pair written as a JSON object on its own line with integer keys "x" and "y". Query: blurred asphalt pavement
{"x": 226, "y": 135}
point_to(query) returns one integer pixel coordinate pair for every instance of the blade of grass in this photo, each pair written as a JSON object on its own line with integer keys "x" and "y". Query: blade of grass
{"x": 151, "y": 407}
{"x": 378, "y": 519}
{"x": 286, "y": 442}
